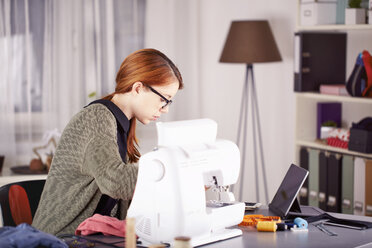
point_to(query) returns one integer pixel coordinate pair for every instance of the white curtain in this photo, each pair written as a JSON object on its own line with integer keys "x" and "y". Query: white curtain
{"x": 180, "y": 41}
{"x": 177, "y": 34}
{"x": 56, "y": 57}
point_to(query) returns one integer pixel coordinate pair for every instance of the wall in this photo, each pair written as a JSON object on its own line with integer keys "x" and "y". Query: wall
{"x": 193, "y": 33}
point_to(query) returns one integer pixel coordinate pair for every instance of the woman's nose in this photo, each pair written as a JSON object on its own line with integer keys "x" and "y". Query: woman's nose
{"x": 164, "y": 110}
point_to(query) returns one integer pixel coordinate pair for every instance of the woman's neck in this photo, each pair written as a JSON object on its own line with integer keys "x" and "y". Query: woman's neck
{"x": 122, "y": 101}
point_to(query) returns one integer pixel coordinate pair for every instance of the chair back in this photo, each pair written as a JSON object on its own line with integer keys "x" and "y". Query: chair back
{"x": 19, "y": 201}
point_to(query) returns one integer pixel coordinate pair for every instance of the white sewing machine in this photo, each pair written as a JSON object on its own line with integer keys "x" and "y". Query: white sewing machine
{"x": 170, "y": 199}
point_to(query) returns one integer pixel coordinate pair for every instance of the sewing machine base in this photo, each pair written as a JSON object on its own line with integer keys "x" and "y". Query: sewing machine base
{"x": 218, "y": 235}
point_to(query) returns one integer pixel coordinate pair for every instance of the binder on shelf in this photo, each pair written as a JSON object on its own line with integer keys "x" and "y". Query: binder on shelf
{"x": 334, "y": 177}
{"x": 323, "y": 189}
{"x": 347, "y": 194}
{"x": 368, "y": 198}
{"x": 359, "y": 186}
{"x": 320, "y": 58}
{"x": 304, "y": 163}
{"x": 313, "y": 177}
{"x": 328, "y": 112}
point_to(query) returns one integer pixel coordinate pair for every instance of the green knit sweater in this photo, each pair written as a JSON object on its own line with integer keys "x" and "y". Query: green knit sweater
{"x": 86, "y": 165}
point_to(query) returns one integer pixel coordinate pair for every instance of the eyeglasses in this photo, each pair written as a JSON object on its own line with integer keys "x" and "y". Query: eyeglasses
{"x": 167, "y": 102}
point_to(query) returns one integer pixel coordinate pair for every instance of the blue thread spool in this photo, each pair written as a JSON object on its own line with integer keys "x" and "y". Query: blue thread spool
{"x": 290, "y": 225}
{"x": 301, "y": 223}
{"x": 281, "y": 226}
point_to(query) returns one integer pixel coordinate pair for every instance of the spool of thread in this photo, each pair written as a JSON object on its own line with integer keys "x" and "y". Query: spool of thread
{"x": 266, "y": 226}
{"x": 301, "y": 223}
{"x": 182, "y": 242}
{"x": 291, "y": 225}
{"x": 281, "y": 226}
{"x": 130, "y": 234}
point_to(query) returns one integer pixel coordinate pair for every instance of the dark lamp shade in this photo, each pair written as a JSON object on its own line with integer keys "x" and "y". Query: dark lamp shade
{"x": 250, "y": 42}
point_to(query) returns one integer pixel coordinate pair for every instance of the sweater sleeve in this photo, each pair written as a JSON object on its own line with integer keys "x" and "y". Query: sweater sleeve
{"x": 103, "y": 162}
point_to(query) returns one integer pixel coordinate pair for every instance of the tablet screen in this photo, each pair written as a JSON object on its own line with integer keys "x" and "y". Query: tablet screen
{"x": 288, "y": 190}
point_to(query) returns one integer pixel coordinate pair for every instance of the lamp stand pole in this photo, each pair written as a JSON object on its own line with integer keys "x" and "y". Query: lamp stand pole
{"x": 243, "y": 119}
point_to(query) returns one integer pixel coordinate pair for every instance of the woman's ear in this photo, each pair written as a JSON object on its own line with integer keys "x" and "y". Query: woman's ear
{"x": 137, "y": 87}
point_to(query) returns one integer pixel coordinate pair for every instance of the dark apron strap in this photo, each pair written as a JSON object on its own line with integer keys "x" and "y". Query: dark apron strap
{"x": 107, "y": 203}
{"x": 121, "y": 135}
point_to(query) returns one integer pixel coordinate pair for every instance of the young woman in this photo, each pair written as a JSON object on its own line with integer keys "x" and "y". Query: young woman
{"x": 93, "y": 169}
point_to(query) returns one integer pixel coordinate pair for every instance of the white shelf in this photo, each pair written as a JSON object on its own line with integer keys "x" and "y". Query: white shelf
{"x": 318, "y": 96}
{"x": 353, "y": 110}
{"x": 321, "y": 146}
{"x": 334, "y": 27}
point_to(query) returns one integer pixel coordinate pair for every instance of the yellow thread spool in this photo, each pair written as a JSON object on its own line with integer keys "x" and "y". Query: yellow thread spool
{"x": 266, "y": 226}
{"x": 182, "y": 242}
{"x": 130, "y": 233}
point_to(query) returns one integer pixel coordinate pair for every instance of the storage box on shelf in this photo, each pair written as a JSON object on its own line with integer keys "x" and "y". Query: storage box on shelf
{"x": 355, "y": 16}
{"x": 318, "y": 12}
{"x": 360, "y": 140}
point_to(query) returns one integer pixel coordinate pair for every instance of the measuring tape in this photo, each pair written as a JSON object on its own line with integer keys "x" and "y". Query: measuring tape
{"x": 324, "y": 229}
{"x": 253, "y": 219}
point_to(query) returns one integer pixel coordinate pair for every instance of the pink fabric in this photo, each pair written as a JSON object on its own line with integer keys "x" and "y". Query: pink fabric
{"x": 104, "y": 224}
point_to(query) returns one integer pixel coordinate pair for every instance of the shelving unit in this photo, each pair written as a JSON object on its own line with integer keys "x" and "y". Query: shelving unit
{"x": 353, "y": 108}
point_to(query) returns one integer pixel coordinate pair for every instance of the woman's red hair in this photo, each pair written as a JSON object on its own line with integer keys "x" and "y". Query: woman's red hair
{"x": 150, "y": 67}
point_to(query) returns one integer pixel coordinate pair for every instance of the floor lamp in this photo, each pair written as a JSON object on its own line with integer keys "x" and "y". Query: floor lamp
{"x": 250, "y": 42}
